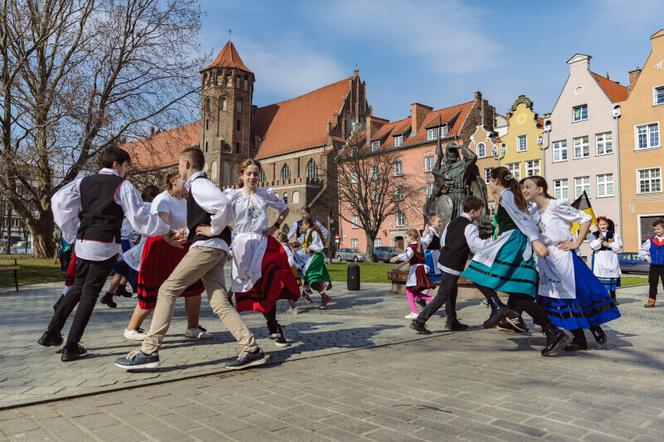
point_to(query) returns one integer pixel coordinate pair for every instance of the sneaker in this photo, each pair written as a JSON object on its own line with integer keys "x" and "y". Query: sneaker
{"x": 421, "y": 302}
{"x": 306, "y": 294}
{"x": 279, "y": 338}
{"x": 48, "y": 340}
{"x": 197, "y": 333}
{"x": 421, "y": 329}
{"x": 410, "y": 315}
{"x": 108, "y": 300}
{"x": 137, "y": 360}
{"x": 293, "y": 311}
{"x": 651, "y": 303}
{"x": 122, "y": 291}
{"x": 246, "y": 359}
{"x": 455, "y": 325}
{"x": 72, "y": 354}
{"x": 496, "y": 316}
{"x": 504, "y": 325}
{"x": 324, "y": 300}
{"x": 134, "y": 335}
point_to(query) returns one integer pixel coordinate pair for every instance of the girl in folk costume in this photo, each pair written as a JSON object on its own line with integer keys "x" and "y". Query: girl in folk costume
{"x": 508, "y": 265}
{"x": 431, "y": 244}
{"x": 572, "y": 296}
{"x": 261, "y": 273}
{"x": 606, "y": 245}
{"x": 418, "y": 280}
{"x": 158, "y": 260}
{"x": 315, "y": 272}
{"x": 294, "y": 266}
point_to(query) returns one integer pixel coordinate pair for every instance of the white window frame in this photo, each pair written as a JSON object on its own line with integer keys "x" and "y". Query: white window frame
{"x": 355, "y": 222}
{"x": 477, "y": 150}
{"x": 580, "y": 106}
{"x": 638, "y": 180}
{"x": 518, "y": 143}
{"x": 562, "y": 188}
{"x": 398, "y": 140}
{"x": 636, "y": 136}
{"x": 399, "y": 215}
{"x": 429, "y": 162}
{"x": 431, "y": 133}
{"x": 603, "y": 142}
{"x": 378, "y": 242}
{"x": 516, "y": 173}
{"x": 444, "y": 130}
{"x": 375, "y": 173}
{"x": 398, "y": 168}
{"x": 429, "y": 190}
{"x": 354, "y": 244}
{"x": 559, "y": 150}
{"x": 654, "y": 95}
{"x": 375, "y": 145}
{"x": 604, "y": 184}
{"x": 582, "y": 187}
{"x": 530, "y": 171}
{"x": 487, "y": 174}
{"x": 587, "y": 144}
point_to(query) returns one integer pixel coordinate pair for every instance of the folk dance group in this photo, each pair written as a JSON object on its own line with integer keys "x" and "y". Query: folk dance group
{"x": 185, "y": 242}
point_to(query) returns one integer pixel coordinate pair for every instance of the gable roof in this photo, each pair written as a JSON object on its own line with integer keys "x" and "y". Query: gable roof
{"x": 299, "y": 123}
{"x": 163, "y": 148}
{"x": 613, "y": 90}
{"x": 228, "y": 57}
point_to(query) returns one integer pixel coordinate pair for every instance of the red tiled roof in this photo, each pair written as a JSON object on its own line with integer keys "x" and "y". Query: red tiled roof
{"x": 163, "y": 149}
{"x": 228, "y": 57}
{"x": 389, "y": 129}
{"x": 298, "y": 123}
{"x": 614, "y": 90}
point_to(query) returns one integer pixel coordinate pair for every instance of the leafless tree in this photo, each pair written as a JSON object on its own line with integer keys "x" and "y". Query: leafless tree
{"x": 373, "y": 187}
{"x": 79, "y": 75}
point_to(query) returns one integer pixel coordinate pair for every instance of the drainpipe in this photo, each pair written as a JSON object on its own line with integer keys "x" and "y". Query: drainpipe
{"x": 616, "y": 116}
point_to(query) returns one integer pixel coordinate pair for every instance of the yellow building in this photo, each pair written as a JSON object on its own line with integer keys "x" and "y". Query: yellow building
{"x": 521, "y": 153}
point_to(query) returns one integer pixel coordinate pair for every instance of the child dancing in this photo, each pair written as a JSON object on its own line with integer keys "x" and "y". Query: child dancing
{"x": 418, "y": 280}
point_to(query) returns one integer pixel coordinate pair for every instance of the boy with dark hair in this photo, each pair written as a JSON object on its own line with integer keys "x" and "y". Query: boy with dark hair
{"x": 459, "y": 238}
{"x": 653, "y": 251}
{"x": 89, "y": 211}
{"x": 206, "y": 206}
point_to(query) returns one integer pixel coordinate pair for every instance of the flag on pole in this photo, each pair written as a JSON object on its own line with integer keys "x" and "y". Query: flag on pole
{"x": 582, "y": 203}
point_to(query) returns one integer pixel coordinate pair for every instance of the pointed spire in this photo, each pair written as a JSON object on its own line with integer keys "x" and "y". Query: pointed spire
{"x": 229, "y": 58}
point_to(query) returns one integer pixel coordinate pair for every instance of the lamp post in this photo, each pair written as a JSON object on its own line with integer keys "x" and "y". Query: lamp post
{"x": 544, "y": 146}
{"x": 616, "y": 142}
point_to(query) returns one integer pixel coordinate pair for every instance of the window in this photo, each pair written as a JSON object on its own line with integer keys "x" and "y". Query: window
{"x": 398, "y": 141}
{"x": 223, "y": 104}
{"x": 355, "y": 223}
{"x": 206, "y": 146}
{"x": 229, "y": 81}
{"x": 481, "y": 150}
{"x": 522, "y": 143}
{"x": 429, "y": 189}
{"x": 375, "y": 145}
{"x": 401, "y": 219}
{"x": 444, "y": 130}
{"x": 296, "y": 197}
{"x": 377, "y": 242}
{"x": 374, "y": 173}
{"x": 214, "y": 172}
{"x": 650, "y": 180}
{"x": 658, "y": 95}
{"x": 354, "y": 244}
{"x": 532, "y": 168}
{"x": 285, "y": 197}
{"x": 605, "y": 185}
{"x": 398, "y": 168}
{"x": 312, "y": 171}
{"x": 581, "y": 184}
{"x": 239, "y": 105}
{"x": 492, "y": 208}
{"x": 559, "y": 150}
{"x": 285, "y": 173}
{"x": 431, "y": 133}
{"x": 560, "y": 189}
{"x": 398, "y": 193}
{"x": 263, "y": 177}
{"x": 604, "y": 143}
{"x": 353, "y": 177}
{"x": 515, "y": 170}
{"x": 647, "y": 136}
{"x": 238, "y": 125}
{"x": 581, "y": 148}
{"x": 237, "y": 147}
{"x": 428, "y": 164}
{"x": 580, "y": 113}
{"x": 487, "y": 174}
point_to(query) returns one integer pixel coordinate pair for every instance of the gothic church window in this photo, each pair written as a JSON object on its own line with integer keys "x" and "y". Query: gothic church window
{"x": 285, "y": 173}
{"x": 312, "y": 172}
{"x": 223, "y": 104}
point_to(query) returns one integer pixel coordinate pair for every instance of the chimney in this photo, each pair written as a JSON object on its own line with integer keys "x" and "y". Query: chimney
{"x": 417, "y": 113}
{"x": 368, "y": 125}
{"x": 633, "y": 76}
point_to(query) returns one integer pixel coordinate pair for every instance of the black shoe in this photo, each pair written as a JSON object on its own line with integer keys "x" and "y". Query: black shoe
{"x": 137, "y": 360}
{"x": 108, "y": 300}
{"x": 279, "y": 338}
{"x": 516, "y": 322}
{"x": 421, "y": 302}
{"x": 72, "y": 354}
{"x": 122, "y": 291}
{"x": 49, "y": 340}
{"x": 497, "y": 314}
{"x": 247, "y": 359}
{"x": 599, "y": 335}
{"x": 455, "y": 325}
{"x": 555, "y": 338}
{"x": 421, "y": 329}
{"x": 576, "y": 346}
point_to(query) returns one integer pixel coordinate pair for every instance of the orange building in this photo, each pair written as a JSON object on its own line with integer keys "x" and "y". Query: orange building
{"x": 641, "y": 156}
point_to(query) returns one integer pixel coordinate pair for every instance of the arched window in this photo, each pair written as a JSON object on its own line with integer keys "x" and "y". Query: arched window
{"x": 296, "y": 197}
{"x": 207, "y": 105}
{"x": 312, "y": 172}
{"x": 223, "y": 104}
{"x": 285, "y": 173}
{"x": 285, "y": 197}
{"x": 239, "y": 105}
{"x": 481, "y": 150}
{"x": 214, "y": 172}
{"x": 225, "y": 174}
{"x": 229, "y": 81}
{"x": 263, "y": 177}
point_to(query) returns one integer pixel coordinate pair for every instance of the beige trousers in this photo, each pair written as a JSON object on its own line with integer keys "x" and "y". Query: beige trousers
{"x": 206, "y": 264}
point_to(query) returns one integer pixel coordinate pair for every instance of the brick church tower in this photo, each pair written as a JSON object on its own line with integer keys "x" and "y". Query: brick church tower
{"x": 226, "y": 103}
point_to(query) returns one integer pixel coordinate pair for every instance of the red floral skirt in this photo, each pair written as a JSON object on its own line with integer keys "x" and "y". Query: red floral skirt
{"x": 157, "y": 263}
{"x": 277, "y": 282}
{"x": 423, "y": 280}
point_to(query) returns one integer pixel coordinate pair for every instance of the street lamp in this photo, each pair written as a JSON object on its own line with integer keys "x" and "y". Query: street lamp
{"x": 616, "y": 113}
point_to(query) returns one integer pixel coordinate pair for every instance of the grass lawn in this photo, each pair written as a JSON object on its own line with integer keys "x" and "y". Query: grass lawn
{"x": 368, "y": 272}
{"x": 633, "y": 280}
{"x": 33, "y": 270}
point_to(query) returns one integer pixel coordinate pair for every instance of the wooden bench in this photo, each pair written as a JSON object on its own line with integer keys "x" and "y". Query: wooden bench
{"x": 12, "y": 268}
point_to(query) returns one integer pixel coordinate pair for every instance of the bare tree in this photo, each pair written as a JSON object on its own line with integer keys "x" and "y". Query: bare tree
{"x": 79, "y": 75}
{"x": 372, "y": 186}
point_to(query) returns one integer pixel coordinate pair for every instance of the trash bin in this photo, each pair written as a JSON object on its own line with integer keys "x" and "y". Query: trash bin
{"x": 353, "y": 277}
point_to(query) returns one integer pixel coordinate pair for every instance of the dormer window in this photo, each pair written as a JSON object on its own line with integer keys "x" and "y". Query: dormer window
{"x": 431, "y": 133}
{"x": 444, "y": 130}
{"x": 440, "y": 131}
{"x": 398, "y": 140}
{"x": 375, "y": 145}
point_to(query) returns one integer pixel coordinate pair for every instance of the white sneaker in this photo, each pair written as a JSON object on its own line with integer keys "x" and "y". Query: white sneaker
{"x": 197, "y": 333}
{"x": 293, "y": 311}
{"x": 410, "y": 315}
{"x": 134, "y": 335}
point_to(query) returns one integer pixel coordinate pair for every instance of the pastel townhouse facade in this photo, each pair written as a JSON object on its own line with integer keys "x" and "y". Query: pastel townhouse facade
{"x": 486, "y": 143}
{"x": 522, "y": 153}
{"x": 583, "y": 148}
{"x": 416, "y": 138}
{"x": 641, "y": 154}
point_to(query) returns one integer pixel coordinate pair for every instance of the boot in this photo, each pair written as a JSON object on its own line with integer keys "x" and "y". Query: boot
{"x": 613, "y": 297}
{"x": 598, "y": 334}
{"x": 650, "y": 303}
{"x": 555, "y": 338}
{"x": 498, "y": 311}
{"x": 579, "y": 342}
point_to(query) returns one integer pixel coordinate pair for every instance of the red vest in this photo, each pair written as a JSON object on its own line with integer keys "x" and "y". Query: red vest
{"x": 418, "y": 257}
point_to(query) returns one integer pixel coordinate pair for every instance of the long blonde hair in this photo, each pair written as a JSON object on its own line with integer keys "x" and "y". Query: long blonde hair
{"x": 243, "y": 166}
{"x": 415, "y": 234}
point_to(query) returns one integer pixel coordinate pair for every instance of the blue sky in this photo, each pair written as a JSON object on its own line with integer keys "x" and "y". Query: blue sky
{"x": 432, "y": 52}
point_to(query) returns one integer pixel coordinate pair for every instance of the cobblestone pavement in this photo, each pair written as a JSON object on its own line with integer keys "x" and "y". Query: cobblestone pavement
{"x": 354, "y": 372}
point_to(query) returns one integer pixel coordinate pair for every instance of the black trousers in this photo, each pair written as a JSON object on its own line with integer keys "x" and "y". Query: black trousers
{"x": 519, "y": 302}
{"x": 90, "y": 279}
{"x": 447, "y": 294}
{"x": 271, "y": 317}
{"x": 655, "y": 274}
